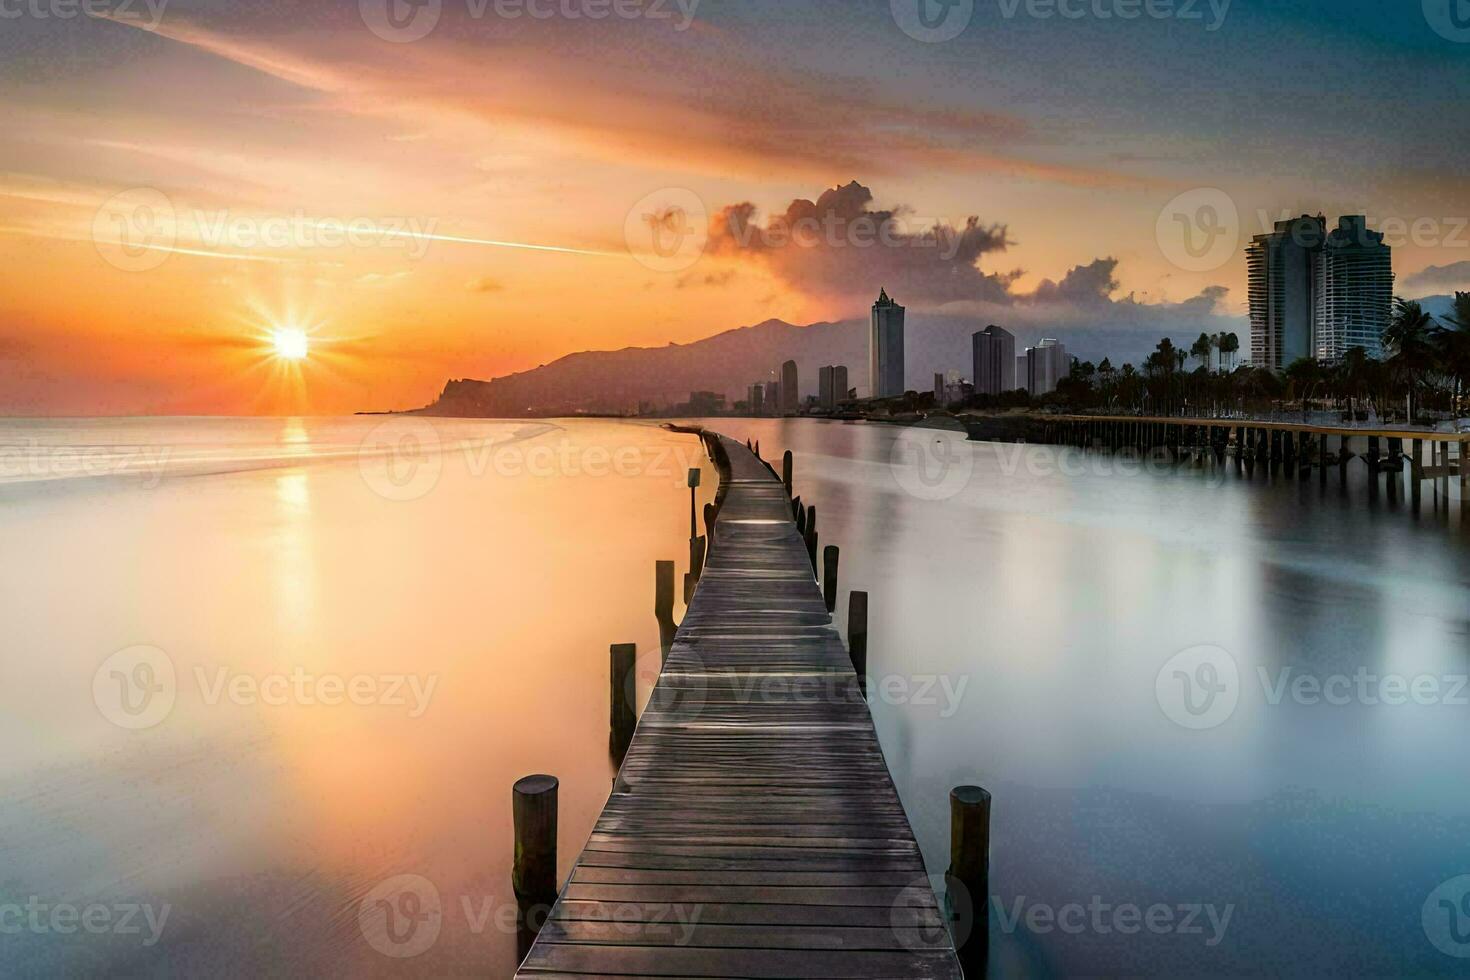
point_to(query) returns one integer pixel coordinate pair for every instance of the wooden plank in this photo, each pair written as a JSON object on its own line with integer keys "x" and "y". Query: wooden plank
{"x": 754, "y": 830}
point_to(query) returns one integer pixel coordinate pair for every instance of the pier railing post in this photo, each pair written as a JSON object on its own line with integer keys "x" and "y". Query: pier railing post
{"x": 829, "y": 576}
{"x": 969, "y": 870}
{"x": 663, "y": 605}
{"x": 786, "y": 471}
{"x": 857, "y": 637}
{"x": 533, "y": 811}
{"x": 622, "y": 718}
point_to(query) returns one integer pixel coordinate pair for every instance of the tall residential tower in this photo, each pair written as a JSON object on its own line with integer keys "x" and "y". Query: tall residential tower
{"x": 885, "y": 349}
{"x": 995, "y": 361}
{"x": 1314, "y": 294}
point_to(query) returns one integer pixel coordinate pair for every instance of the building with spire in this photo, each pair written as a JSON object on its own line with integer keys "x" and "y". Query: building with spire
{"x": 885, "y": 349}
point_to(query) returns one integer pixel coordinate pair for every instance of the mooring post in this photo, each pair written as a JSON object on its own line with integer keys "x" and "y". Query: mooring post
{"x": 811, "y": 548}
{"x": 829, "y": 576}
{"x": 796, "y": 509}
{"x": 968, "y": 878}
{"x": 663, "y": 605}
{"x": 533, "y": 810}
{"x": 857, "y": 636}
{"x": 801, "y": 520}
{"x": 757, "y": 449}
{"x": 623, "y": 719}
{"x": 1464, "y": 480}
{"x": 786, "y": 470}
{"x": 709, "y": 521}
{"x": 1443, "y": 483}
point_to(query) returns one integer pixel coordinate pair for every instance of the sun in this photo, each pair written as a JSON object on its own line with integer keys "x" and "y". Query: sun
{"x": 289, "y": 343}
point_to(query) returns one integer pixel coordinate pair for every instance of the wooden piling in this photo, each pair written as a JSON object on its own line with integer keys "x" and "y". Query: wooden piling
{"x": 968, "y": 877}
{"x": 786, "y": 471}
{"x": 623, "y": 717}
{"x": 533, "y": 810}
{"x": 857, "y": 636}
{"x": 829, "y": 576}
{"x": 663, "y": 605}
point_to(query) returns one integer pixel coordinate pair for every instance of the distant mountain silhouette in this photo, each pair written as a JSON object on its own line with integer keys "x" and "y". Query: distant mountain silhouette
{"x": 727, "y": 363}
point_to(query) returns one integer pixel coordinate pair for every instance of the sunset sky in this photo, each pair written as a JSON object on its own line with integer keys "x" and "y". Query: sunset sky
{"x": 170, "y": 185}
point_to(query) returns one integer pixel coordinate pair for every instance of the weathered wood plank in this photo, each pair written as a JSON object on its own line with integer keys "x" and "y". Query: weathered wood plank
{"x": 754, "y": 830}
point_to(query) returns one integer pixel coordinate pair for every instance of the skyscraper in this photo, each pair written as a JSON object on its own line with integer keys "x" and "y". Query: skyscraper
{"x": 773, "y": 398}
{"x": 755, "y": 397}
{"x": 832, "y": 387}
{"x": 995, "y": 361}
{"x": 1046, "y": 364}
{"x": 885, "y": 349}
{"x": 790, "y": 389}
{"x": 1352, "y": 291}
{"x": 1280, "y": 268}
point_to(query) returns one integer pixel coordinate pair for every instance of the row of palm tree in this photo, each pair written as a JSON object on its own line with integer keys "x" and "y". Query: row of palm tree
{"x": 1426, "y": 368}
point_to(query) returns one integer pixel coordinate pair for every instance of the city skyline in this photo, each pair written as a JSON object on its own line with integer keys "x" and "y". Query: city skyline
{"x": 495, "y": 213}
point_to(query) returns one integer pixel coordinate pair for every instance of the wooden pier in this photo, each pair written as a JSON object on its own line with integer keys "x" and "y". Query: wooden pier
{"x": 754, "y": 830}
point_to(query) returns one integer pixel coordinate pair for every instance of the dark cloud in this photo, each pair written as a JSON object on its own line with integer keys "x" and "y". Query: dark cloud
{"x": 1085, "y": 285}
{"x": 838, "y": 246}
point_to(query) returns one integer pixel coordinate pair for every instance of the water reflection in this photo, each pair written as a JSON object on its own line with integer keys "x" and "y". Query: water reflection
{"x": 1061, "y": 584}
{"x": 360, "y": 680}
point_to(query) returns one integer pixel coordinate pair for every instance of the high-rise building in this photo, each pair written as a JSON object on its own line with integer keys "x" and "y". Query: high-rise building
{"x": 832, "y": 387}
{"x": 885, "y": 349}
{"x": 1281, "y": 267}
{"x": 1046, "y": 364}
{"x": 1315, "y": 294}
{"x": 1023, "y": 371}
{"x": 994, "y": 350}
{"x": 755, "y": 397}
{"x": 790, "y": 389}
{"x": 773, "y": 398}
{"x": 1352, "y": 291}
{"x": 938, "y": 387}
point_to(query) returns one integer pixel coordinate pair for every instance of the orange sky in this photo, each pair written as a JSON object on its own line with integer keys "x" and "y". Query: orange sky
{"x": 168, "y": 195}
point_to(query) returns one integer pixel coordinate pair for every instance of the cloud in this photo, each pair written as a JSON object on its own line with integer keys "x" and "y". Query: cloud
{"x": 839, "y": 246}
{"x": 735, "y": 108}
{"x": 1454, "y": 275}
{"x": 814, "y": 249}
{"x": 485, "y": 284}
{"x": 1085, "y": 285}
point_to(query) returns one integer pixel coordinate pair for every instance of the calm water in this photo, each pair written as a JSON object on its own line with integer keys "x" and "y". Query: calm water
{"x": 1116, "y": 655}
{"x": 1040, "y": 619}
{"x": 257, "y": 670}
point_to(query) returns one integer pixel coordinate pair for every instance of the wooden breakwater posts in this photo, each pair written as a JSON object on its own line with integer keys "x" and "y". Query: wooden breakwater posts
{"x": 754, "y": 830}
{"x": 1295, "y": 447}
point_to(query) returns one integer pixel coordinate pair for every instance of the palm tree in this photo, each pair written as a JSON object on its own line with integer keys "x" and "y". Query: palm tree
{"x": 1411, "y": 337}
{"x": 1202, "y": 348}
{"x": 1229, "y": 344}
{"x": 1454, "y": 347}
